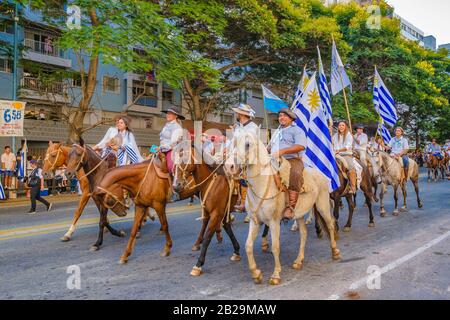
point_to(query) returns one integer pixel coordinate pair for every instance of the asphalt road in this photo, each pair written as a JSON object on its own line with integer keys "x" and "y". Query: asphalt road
{"x": 410, "y": 253}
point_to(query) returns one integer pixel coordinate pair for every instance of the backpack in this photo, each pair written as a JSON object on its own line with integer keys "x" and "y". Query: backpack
{"x": 34, "y": 179}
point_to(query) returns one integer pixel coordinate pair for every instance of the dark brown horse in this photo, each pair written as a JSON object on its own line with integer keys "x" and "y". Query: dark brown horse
{"x": 84, "y": 157}
{"x": 148, "y": 186}
{"x": 217, "y": 200}
{"x": 342, "y": 191}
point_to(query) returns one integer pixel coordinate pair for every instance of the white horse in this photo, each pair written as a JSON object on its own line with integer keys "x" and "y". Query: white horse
{"x": 265, "y": 202}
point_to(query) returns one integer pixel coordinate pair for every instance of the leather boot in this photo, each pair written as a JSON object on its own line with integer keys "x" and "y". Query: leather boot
{"x": 291, "y": 201}
{"x": 352, "y": 180}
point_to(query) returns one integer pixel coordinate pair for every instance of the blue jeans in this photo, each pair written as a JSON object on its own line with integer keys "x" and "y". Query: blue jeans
{"x": 405, "y": 161}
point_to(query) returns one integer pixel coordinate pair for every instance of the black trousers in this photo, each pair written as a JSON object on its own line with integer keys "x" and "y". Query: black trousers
{"x": 35, "y": 194}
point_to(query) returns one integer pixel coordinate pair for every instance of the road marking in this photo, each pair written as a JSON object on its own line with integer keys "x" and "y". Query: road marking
{"x": 396, "y": 263}
{"x": 17, "y": 233}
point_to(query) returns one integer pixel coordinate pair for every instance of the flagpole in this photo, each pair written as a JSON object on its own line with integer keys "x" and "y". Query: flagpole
{"x": 346, "y": 106}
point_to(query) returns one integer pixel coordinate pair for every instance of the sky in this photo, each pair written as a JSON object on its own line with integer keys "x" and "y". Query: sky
{"x": 431, "y": 16}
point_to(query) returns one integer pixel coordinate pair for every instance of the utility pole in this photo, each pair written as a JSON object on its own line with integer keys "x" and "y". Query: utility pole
{"x": 16, "y": 38}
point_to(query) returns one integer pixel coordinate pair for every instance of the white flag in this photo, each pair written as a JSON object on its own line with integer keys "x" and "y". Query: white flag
{"x": 339, "y": 78}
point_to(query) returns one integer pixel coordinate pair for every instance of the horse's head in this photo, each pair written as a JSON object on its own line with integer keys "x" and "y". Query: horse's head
{"x": 112, "y": 197}
{"x": 54, "y": 158}
{"x": 184, "y": 167}
{"x": 374, "y": 158}
{"x": 77, "y": 158}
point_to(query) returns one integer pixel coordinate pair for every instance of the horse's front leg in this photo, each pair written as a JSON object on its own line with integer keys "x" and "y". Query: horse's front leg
{"x": 375, "y": 189}
{"x": 403, "y": 187}
{"x": 395, "y": 213}
{"x": 160, "y": 209}
{"x": 139, "y": 214}
{"x": 351, "y": 207}
{"x": 199, "y": 240}
{"x": 252, "y": 234}
{"x": 274, "y": 226}
{"x": 336, "y": 209}
{"x": 301, "y": 252}
{"x": 382, "y": 192}
{"x": 77, "y": 214}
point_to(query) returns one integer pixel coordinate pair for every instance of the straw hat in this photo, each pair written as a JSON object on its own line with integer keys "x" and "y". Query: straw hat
{"x": 175, "y": 111}
{"x": 244, "y": 109}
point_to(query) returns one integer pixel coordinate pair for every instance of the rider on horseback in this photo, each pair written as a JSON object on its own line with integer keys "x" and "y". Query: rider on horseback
{"x": 399, "y": 148}
{"x": 361, "y": 141}
{"x": 435, "y": 150}
{"x": 343, "y": 148}
{"x": 171, "y": 134}
{"x": 289, "y": 142}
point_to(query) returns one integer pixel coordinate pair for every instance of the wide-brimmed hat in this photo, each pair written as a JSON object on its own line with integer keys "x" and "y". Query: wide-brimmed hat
{"x": 289, "y": 113}
{"x": 175, "y": 111}
{"x": 244, "y": 109}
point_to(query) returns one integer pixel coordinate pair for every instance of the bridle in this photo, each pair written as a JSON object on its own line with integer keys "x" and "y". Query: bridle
{"x": 116, "y": 200}
{"x": 78, "y": 166}
{"x": 47, "y": 156}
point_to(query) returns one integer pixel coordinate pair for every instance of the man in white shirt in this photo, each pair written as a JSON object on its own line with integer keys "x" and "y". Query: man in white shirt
{"x": 8, "y": 166}
{"x": 361, "y": 141}
{"x": 399, "y": 149}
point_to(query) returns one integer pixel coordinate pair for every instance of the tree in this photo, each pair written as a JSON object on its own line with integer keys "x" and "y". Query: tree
{"x": 110, "y": 30}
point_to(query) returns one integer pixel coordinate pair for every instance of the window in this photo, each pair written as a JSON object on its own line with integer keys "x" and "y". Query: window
{"x": 5, "y": 65}
{"x": 76, "y": 80}
{"x": 168, "y": 95}
{"x": 110, "y": 84}
{"x": 226, "y": 118}
{"x": 6, "y": 27}
{"x": 144, "y": 93}
{"x": 148, "y": 123}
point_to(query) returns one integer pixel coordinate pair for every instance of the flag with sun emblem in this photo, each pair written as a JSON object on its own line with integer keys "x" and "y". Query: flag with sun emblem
{"x": 319, "y": 150}
{"x": 303, "y": 113}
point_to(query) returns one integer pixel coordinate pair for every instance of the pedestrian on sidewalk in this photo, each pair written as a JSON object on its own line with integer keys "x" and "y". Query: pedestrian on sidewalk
{"x": 36, "y": 184}
{"x": 8, "y": 160}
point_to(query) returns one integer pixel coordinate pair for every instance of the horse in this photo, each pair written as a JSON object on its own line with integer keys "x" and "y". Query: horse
{"x": 434, "y": 164}
{"x": 365, "y": 186}
{"x": 56, "y": 156}
{"x": 392, "y": 174}
{"x": 265, "y": 201}
{"x": 82, "y": 156}
{"x": 149, "y": 186}
{"x": 217, "y": 199}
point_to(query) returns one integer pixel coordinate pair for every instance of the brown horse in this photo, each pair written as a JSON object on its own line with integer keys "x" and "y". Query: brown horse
{"x": 56, "y": 156}
{"x": 434, "y": 164}
{"x": 81, "y": 156}
{"x": 217, "y": 199}
{"x": 149, "y": 187}
{"x": 342, "y": 191}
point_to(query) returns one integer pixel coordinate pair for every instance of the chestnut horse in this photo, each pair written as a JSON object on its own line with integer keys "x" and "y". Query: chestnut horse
{"x": 82, "y": 156}
{"x": 148, "y": 186}
{"x": 217, "y": 199}
{"x": 434, "y": 164}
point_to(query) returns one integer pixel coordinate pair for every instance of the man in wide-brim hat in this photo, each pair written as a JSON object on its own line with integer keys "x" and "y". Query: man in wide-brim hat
{"x": 176, "y": 112}
{"x": 361, "y": 141}
{"x": 289, "y": 142}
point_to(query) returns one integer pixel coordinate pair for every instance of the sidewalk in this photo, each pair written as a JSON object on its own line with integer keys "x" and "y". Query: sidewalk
{"x": 22, "y": 201}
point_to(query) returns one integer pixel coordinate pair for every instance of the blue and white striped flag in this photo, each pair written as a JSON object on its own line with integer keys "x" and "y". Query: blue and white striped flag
{"x": 383, "y": 101}
{"x": 324, "y": 92}
{"x": 23, "y": 162}
{"x": 319, "y": 151}
{"x": 303, "y": 113}
{"x": 271, "y": 101}
{"x": 384, "y": 133}
{"x": 2, "y": 192}
{"x": 339, "y": 78}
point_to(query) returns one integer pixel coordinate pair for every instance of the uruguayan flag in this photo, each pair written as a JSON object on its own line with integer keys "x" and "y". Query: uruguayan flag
{"x": 383, "y": 101}
{"x": 271, "y": 101}
{"x": 128, "y": 154}
{"x": 2, "y": 192}
{"x": 319, "y": 151}
{"x": 324, "y": 92}
{"x": 339, "y": 78}
{"x": 384, "y": 133}
{"x": 23, "y": 162}
{"x": 302, "y": 112}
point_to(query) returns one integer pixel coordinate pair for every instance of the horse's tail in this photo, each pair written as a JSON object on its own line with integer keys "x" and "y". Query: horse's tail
{"x": 323, "y": 225}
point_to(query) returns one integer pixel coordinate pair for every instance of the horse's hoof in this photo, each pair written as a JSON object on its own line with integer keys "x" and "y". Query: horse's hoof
{"x": 195, "y": 247}
{"x": 395, "y": 213}
{"x": 219, "y": 241}
{"x": 196, "y": 271}
{"x": 308, "y": 221}
{"x": 235, "y": 257}
{"x": 122, "y": 234}
{"x": 420, "y": 205}
{"x": 94, "y": 248}
{"x": 123, "y": 261}
{"x": 247, "y": 219}
{"x": 265, "y": 247}
{"x": 336, "y": 254}
{"x": 259, "y": 277}
{"x": 274, "y": 281}
{"x": 138, "y": 235}
{"x": 376, "y": 199}
{"x": 383, "y": 214}
{"x": 371, "y": 224}
{"x": 346, "y": 229}
{"x": 404, "y": 209}
{"x": 297, "y": 266}
{"x": 152, "y": 218}
{"x": 165, "y": 253}
{"x": 64, "y": 239}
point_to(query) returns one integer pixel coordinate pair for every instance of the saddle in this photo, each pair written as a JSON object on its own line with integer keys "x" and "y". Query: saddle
{"x": 161, "y": 168}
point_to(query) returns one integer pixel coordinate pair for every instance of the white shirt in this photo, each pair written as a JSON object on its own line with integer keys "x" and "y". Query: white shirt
{"x": 398, "y": 145}
{"x": 248, "y": 128}
{"x": 8, "y": 160}
{"x": 128, "y": 140}
{"x": 363, "y": 139}
{"x": 170, "y": 135}
{"x": 340, "y": 143}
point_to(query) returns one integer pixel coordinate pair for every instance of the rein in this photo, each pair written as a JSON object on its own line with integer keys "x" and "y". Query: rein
{"x": 56, "y": 160}
{"x": 92, "y": 170}
{"x": 117, "y": 201}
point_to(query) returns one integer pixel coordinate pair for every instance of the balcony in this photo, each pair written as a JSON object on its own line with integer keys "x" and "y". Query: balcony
{"x": 45, "y": 52}
{"x": 35, "y": 88}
